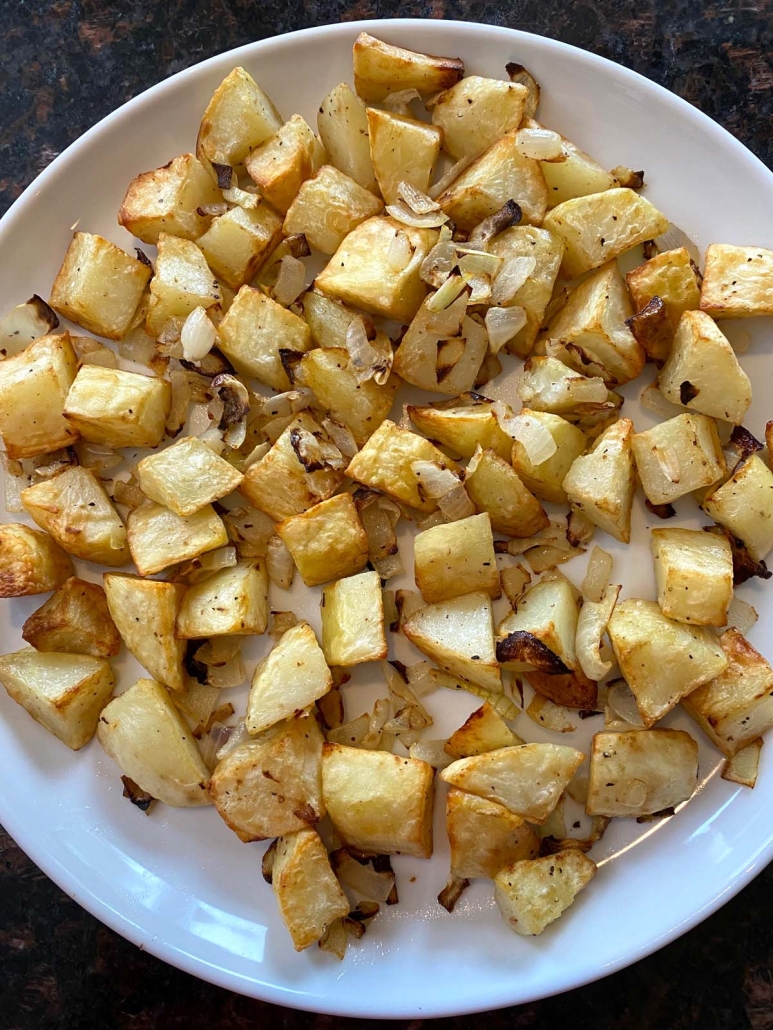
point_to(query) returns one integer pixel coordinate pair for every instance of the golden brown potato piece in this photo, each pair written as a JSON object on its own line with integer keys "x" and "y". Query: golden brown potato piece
{"x": 74, "y": 620}
{"x": 360, "y": 406}
{"x": 238, "y": 118}
{"x": 238, "y": 242}
{"x": 230, "y": 602}
{"x": 117, "y": 408}
{"x": 496, "y": 487}
{"x": 168, "y": 200}
{"x": 546, "y": 479}
{"x": 292, "y": 676}
{"x": 673, "y": 277}
{"x": 600, "y": 485}
{"x": 381, "y": 69}
{"x": 307, "y": 891}
{"x": 693, "y": 575}
{"x": 30, "y": 561}
{"x": 484, "y": 837}
{"x": 744, "y": 505}
{"x": 183, "y": 281}
{"x": 541, "y": 633}
{"x": 281, "y": 164}
{"x": 327, "y": 541}
{"x": 531, "y": 894}
{"x": 577, "y": 176}
{"x": 353, "y": 620}
{"x": 343, "y": 128}
{"x": 402, "y": 150}
{"x": 744, "y": 766}
{"x": 485, "y": 730}
{"x": 462, "y": 428}
{"x": 678, "y": 456}
{"x": 159, "y": 537}
{"x": 476, "y": 112}
{"x": 328, "y": 207}
{"x": 186, "y": 476}
{"x": 25, "y": 323}
{"x": 737, "y": 281}
{"x": 456, "y": 558}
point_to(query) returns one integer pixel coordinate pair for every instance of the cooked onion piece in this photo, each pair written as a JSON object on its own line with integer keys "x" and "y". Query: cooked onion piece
{"x": 591, "y": 627}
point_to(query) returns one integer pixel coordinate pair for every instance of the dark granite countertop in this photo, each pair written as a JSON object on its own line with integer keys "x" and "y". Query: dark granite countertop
{"x": 64, "y": 65}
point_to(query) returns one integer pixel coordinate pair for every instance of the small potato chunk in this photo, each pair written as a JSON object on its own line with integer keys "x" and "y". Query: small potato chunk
{"x": 641, "y": 772}
{"x": 601, "y": 226}
{"x": 167, "y": 200}
{"x": 744, "y": 505}
{"x": 238, "y": 118}
{"x": 307, "y": 891}
{"x": 63, "y": 692}
{"x": 589, "y": 331}
{"x": 291, "y": 677}
{"x": 531, "y": 894}
{"x": 578, "y": 176}
{"x": 547, "y": 384}
{"x": 75, "y": 509}
{"x": 279, "y": 483}
{"x": 662, "y": 660}
{"x": 144, "y": 612}
{"x": 182, "y": 281}
{"x": 381, "y": 69}
{"x": 231, "y": 602}
{"x": 343, "y": 128}
{"x": 159, "y": 537}
{"x": 500, "y": 174}
{"x": 462, "y": 429}
{"x": 186, "y": 476}
{"x": 99, "y": 286}
{"x": 541, "y": 633}
{"x": 442, "y": 351}
{"x": 476, "y": 112}
{"x": 484, "y": 837}
{"x": 459, "y": 636}
{"x": 736, "y": 707}
{"x": 737, "y": 281}
{"x": 328, "y": 207}
{"x": 281, "y": 164}
{"x": 485, "y": 730}
{"x": 254, "y": 333}
{"x": 744, "y": 766}
{"x": 272, "y": 784}
{"x": 384, "y": 464}
{"x": 528, "y": 779}
{"x": 402, "y": 150}
{"x": 353, "y": 620}
{"x": 378, "y": 802}
{"x": 496, "y": 487}
{"x": 74, "y": 620}
{"x": 30, "y": 561}
{"x": 377, "y": 268}
{"x": 329, "y": 320}
{"x": 546, "y": 479}
{"x": 33, "y": 388}
{"x": 117, "y": 408}
{"x": 703, "y": 373}
{"x": 694, "y": 575}
{"x": 456, "y": 558}
{"x": 25, "y": 323}
{"x": 327, "y": 541}
{"x": 145, "y": 735}
{"x": 360, "y": 406}
{"x": 672, "y": 276}
{"x": 237, "y": 243}
{"x": 600, "y": 485}
{"x": 678, "y": 456}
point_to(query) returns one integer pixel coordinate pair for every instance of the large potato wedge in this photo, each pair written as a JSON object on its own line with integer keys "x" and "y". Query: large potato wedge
{"x": 531, "y": 894}
{"x": 600, "y": 485}
{"x": 327, "y": 541}
{"x": 307, "y": 891}
{"x": 456, "y": 558}
{"x": 495, "y": 487}
{"x": 678, "y": 456}
{"x": 285, "y": 161}
{"x": 327, "y": 207}
{"x": 693, "y": 575}
{"x": 230, "y": 602}
{"x": 744, "y": 505}
{"x": 353, "y": 620}
{"x": 381, "y": 69}
{"x": 291, "y": 677}
{"x": 485, "y": 730}
{"x": 238, "y": 242}
{"x": 401, "y": 150}
{"x": 343, "y": 128}
{"x": 186, "y": 476}
{"x": 362, "y": 407}
{"x": 159, "y": 537}
{"x": 541, "y": 633}
{"x": 74, "y": 620}
{"x": 117, "y": 408}
{"x": 476, "y": 112}
{"x": 239, "y": 117}
{"x": 168, "y": 200}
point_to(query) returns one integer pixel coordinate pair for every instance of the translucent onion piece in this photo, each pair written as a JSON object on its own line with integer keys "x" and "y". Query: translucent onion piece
{"x": 501, "y": 703}
{"x": 453, "y": 173}
{"x": 539, "y": 144}
{"x": 368, "y": 360}
{"x": 578, "y": 788}
{"x": 434, "y": 478}
{"x": 259, "y": 451}
{"x": 543, "y": 391}
{"x": 219, "y": 650}
{"x": 213, "y": 742}
{"x": 502, "y": 324}
{"x": 622, "y": 703}
{"x": 536, "y": 439}
{"x": 431, "y": 752}
{"x": 514, "y": 580}
{"x": 591, "y": 627}
{"x": 447, "y": 293}
{"x": 438, "y": 264}
{"x": 674, "y": 238}
{"x": 341, "y": 436}
{"x": 213, "y": 438}
{"x": 96, "y": 457}
{"x": 401, "y": 694}
{"x": 241, "y": 198}
{"x": 480, "y": 288}
{"x": 181, "y": 402}
{"x": 279, "y": 563}
{"x": 350, "y": 733}
{"x": 741, "y": 615}
{"x": 479, "y": 262}
{"x": 400, "y": 251}
{"x": 197, "y": 336}
{"x": 653, "y": 400}
{"x": 549, "y": 715}
{"x": 429, "y": 220}
{"x": 236, "y": 738}
{"x": 13, "y": 483}
{"x": 597, "y": 574}
{"x": 456, "y": 504}
{"x": 290, "y": 281}
{"x": 289, "y": 403}
{"x": 137, "y": 346}
{"x": 419, "y": 679}
{"x": 546, "y": 557}
{"x": 335, "y": 940}
{"x": 552, "y": 535}
{"x": 220, "y": 558}
{"x": 250, "y": 530}
{"x": 400, "y": 99}
{"x": 92, "y": 352}
{"x": 212, "y": 209}
{"x": 361, "y": 877}
{"x": 230, "y": 674}
{"x": 198, "y": 702}
{"x": 417, "y": 201}
{"x": 511, "y": 278}
{"x": 281, "y": 622}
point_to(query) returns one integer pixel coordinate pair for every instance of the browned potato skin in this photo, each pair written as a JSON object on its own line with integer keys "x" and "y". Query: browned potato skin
{"x": 30, "y": 561}
{"x": 571, "y": 690}
{"x": 75, "y": 619}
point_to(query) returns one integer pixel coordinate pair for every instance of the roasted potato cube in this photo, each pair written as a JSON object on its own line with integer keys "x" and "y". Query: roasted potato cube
{"x": 381, "y": 69}
{"x": 577, "y": 176}
{"x": 590, "y": 332}
{"x": 99, "y": 286}
{"x": 456, "y": 558}
{"x": 546, "y": 479}
{"x": 145, "y": 735}
{"x": 353, "y": 620}
{"x": 159, "y": 537}
{"x": 528, "y": 779}
{"x": 237, "y": 243}
{"x": 737, "y": 281}
{"x": 343, "y": 128}
{"x": 238, "y": 118}
{"x": 75, "y": 509}
{"x": 476, "y": 112}
{"x": 272, "y": 784}
{"x": 30, "y": 561}
{"x": 231, "y": 602}
{"x": 744, "y": 505}
{"x": 678, "y": 456}
{"x": 703, "y": 373}
{"x": 329, "y": 320}
{"x": 63, "y": 692}
{"x": 694, "y": 575}
{"x": 495, "y": 487}
{"x": 384, "y": 464}
{"x": 291, "y": 677}
{"x": 541, "y": 633}
{"x": 485, "y": 730}
{"x": 25, "y": 323}
{"x": 378, "y": 802}
{"x": 186, "y": 476}
{"x": 641, "y": 772}
{"x": 168, "y": 200}
{"x": 74, "y": 620}
{"x": 600, "y": 485}
{"x": 672, "y": 276}
{"x": 33, "y": 388}
{"x": 442, "y": 351}
{"x": 182, "y": 281}
{"x": 744, "y": 766}
{"x": 601, "y": 226}
{"x": 484, "y": 837}
{"x": 736, "y": 707}
{"x": 327, "y": 541}
{"x": 279, "y": 484}
{"x": 547, "y": 384}
{"x": 462, "y": 429}
{"x": 662, "y": 660}
{"x": 501, "y": 173}
{"x": 284, "y": 161}
{"x": 459, "y": 636}
{"x": 307, "y": 891}
{"x": 360, "y": 406}
{"x": 533, "y": 893}
{"x": 117, "y": 408}
{"x": 144, "y": 613}
{"x": 402, "y": 150}
{"x": 328, "y": 207}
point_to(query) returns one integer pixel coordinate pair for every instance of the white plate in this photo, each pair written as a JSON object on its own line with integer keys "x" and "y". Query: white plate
{"x": 179, "y": 883}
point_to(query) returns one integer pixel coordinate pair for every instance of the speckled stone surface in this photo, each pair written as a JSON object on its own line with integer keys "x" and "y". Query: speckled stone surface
{"x": 63, "y": 66}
